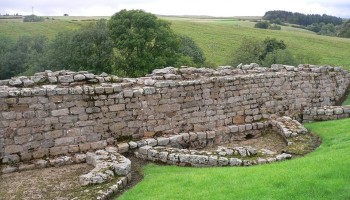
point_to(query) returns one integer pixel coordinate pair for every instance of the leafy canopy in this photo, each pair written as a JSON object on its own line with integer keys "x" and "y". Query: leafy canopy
{"x": 142, "y": 42}
{"x": 266, "y": 52}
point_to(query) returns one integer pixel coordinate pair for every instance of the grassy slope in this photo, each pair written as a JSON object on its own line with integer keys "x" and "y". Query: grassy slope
{"x": 48, "y": 28}
{"x": 219, "y": 39}
{"x": 323, "y": 174}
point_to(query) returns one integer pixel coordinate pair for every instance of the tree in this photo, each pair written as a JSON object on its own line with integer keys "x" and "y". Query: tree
{"x": 190, "y": 49}
{"x": 279, "y": 56}
{"x": 345, "y": 30}
{"x": 262, "y": 25}
{"x": 263, "y": 52}
{"x": 16, "y": 58}
{"x": 90, "y": 48}
{"x": 249, "y": 51}
{"x": 271, "y": 45}
{"x": 142, "y": 42}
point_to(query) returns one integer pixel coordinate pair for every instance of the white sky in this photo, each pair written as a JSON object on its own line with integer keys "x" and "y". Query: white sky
{"x": 340, "y": 8}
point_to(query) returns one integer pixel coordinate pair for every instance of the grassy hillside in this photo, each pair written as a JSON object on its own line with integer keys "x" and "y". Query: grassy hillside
{"x": 217, "y": 37}
{"x": 49, "y": 28}
{"x": 323, "y": 174}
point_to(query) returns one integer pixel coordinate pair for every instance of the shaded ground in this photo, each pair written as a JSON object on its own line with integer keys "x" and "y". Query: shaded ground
{"x": 57, "y": 183}
{"x": 48, "y": 183}
{"x": 63, "y": 182}
{"x": 269, "y": 140}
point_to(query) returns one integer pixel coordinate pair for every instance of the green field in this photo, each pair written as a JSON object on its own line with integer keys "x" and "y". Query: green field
{"x": 322, "y": 174}
{"x": 218, "y": 37}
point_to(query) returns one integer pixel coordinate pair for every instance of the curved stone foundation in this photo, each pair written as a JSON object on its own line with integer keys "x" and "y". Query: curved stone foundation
{"x": 54, "y": 118}
{"x": 326, "y": 113}
{"x": 159, "y": 151}
{"x": 62, "y": 113}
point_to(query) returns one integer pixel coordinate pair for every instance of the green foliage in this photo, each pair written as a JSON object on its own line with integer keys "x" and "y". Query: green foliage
{"x": 279, "y": 56}
{"x": 301, "y": 19}
{"x": 191, "y": 51}
{"x": 33, "y": 18}
{"x": 262, "y": 25}
{"x": 275, "y": 27}
{"x": 249, "y": 51}
{"x": 322, "y": 174}
{"x": 323, "y": 29}
{"x": 90, "y": 48}
{"x": 266, "y": 52}
{"x": 143, "y": 42}
{"x": 345, "y": 30}
{"x": 16, "y": 58}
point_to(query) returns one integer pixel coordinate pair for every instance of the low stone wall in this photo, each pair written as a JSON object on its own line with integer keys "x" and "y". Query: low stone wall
{"x": 225, "y": 156}
{"x": 326, "y": 113}
{"x": 62, "y": 113}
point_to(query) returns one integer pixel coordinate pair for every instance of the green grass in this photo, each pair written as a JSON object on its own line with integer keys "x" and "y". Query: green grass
{"x": 218, "y": 37}
{"x": 48, "y": 28}
{"x": 322, "y": 174}
{"x": 347, "y": 101}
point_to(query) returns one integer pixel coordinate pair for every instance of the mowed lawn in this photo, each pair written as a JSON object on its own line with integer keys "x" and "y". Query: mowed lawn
{"x": 322, "y": 174}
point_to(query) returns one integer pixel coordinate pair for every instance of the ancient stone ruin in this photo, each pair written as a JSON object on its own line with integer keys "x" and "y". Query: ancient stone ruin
{"x": 64, "y": 117}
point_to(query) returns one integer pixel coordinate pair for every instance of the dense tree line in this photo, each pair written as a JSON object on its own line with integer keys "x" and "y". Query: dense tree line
{"x": 320, "y": 24}
{"x": 301, "y": 19}
{"x": 132, "y": 43}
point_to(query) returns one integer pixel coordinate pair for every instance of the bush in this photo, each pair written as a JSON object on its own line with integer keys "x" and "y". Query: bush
{"x": 275, "y": 27}
{"x": 33, "y": 18}
{"x": 265, "y": 53}
{"x": 262, "y": 25}
{"x": 279, "y": 56}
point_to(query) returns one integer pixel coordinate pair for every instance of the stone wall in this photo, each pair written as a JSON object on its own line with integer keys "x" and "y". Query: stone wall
{"x": 326, "y": 113}
{"x": 58, "y": 113}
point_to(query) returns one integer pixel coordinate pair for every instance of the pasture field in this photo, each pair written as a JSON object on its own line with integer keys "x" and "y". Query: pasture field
{"x": 218, "y": 37}
{"x": 322, "y": 174}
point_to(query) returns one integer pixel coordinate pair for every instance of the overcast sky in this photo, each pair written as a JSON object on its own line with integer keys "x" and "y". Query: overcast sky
{"x": 340, "y": 8}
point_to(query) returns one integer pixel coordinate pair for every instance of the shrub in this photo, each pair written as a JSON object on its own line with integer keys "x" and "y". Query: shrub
{"x": 262, "y": 25}
{"x": 33, "y": 18}
{"x": 275, "y": 27}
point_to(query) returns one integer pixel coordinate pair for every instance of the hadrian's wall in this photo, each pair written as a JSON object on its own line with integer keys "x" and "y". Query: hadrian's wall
{"x": 58, "y": 113}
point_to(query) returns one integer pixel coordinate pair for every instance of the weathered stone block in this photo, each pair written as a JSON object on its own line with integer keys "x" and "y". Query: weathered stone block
{"x": 60, "y": 112}
{"x": 123, "y": 147}
{"x": 117, "y": 107}
{"x": 65, "y": 141}
{"x": 54, "y": 151}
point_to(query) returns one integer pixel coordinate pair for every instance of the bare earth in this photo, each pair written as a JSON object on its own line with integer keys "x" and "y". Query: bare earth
{"x": 269, "y": 140}
{"x": 62, "y": 183}
{"x": 48, "y": 183}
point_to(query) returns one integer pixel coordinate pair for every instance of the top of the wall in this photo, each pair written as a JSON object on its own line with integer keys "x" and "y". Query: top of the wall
{"x": 44, "y": 82}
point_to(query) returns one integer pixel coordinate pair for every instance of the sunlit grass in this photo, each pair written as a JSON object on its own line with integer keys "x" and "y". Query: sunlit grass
{"x": 322, "y": 174}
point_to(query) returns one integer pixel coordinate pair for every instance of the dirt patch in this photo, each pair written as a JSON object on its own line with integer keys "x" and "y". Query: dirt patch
{"x": 268, "y": 140}
{"x": 48, "y": 183}
{"x": 59, "y": 182}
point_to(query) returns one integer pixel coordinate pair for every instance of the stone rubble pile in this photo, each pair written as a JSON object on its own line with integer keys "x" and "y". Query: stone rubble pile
{"x": 108, "y": 165}
{"x": 288, "y": 127}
